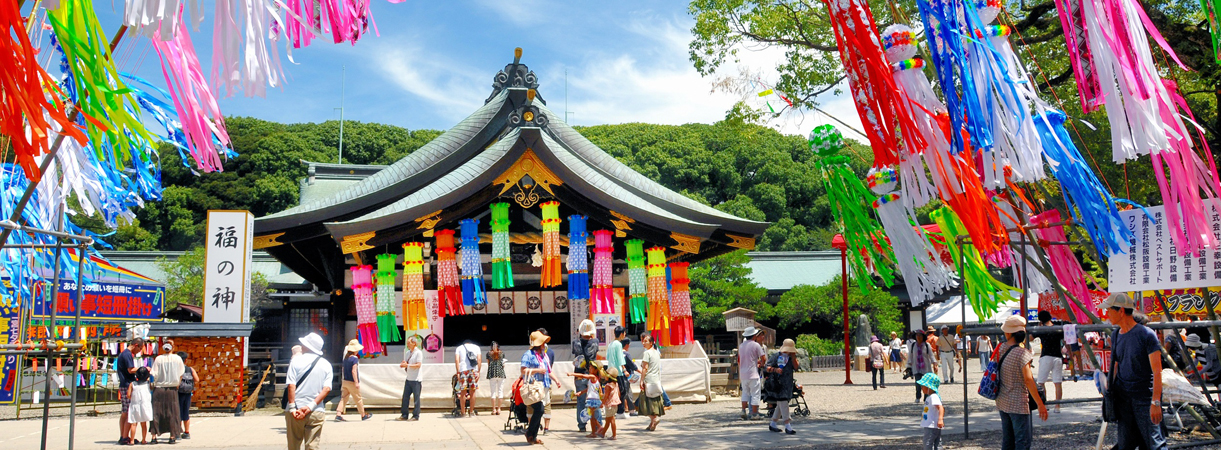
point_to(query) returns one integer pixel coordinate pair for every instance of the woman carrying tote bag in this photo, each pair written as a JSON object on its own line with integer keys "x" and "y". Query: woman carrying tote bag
{"x": 536, "y": 390}
{"x": 650, "y": 401}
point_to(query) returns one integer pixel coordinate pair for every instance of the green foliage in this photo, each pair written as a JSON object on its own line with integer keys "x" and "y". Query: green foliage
{"x": 822, "y": 308}
{"x": 723, "y": 283}
{"x": 816, "y": 346}
{"x": 184, "y": 278}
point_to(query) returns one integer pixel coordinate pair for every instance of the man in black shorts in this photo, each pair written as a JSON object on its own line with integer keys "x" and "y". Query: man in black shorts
{"x": 126, "y": 368}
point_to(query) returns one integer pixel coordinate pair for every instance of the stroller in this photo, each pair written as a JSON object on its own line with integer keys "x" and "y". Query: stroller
{"x": 797, "y": 402}
{"x": 517, "y": 420}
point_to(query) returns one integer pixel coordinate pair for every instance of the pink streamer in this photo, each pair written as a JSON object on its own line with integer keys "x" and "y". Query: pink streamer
{"x": 196, "y": 106}
{"x": 1064, "y": 264}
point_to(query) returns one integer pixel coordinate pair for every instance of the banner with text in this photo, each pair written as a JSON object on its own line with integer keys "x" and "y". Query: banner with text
{"x": 10, "y": 333}
{"x": 226, "y": 296}
{"x": 431, "y": 340}
{"x": 1154, "y": 263}
{"x": 108, "y": 302}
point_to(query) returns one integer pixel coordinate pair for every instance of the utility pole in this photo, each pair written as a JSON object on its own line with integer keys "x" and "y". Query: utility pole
{"x": 342, "y": 79}
{"x": 566, "y": 113}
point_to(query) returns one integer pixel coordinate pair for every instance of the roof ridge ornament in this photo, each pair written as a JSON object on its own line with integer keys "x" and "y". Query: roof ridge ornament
{"x": 514, "y": 75}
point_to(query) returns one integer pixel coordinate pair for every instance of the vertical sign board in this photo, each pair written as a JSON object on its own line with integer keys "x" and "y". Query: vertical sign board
{"x": 226, "y": 296}
{"x": 10, "y": 333}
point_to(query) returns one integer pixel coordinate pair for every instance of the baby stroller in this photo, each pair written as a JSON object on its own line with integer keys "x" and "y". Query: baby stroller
{"x": 797, "y": 402}
{"x": 517, "y": 420}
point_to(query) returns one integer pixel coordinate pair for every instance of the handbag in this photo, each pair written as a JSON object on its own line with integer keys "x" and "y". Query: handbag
{"x": 989, "y": 385}
{"x": 652, "y": 389}
{"x": 1034, "y": 406}
{"x": 532, "y": 391}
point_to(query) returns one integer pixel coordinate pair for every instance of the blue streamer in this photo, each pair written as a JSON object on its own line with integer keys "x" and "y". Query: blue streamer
{"x": 1092, "y": 206}
{"x": 943, "y": 29}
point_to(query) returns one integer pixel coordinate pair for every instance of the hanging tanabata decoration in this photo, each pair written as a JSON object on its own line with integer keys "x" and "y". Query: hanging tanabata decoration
{"x": 502, "y": 264}
{"x": 252, "y": 67}
{"x": 637, "y": 281}
{"x": 578, "y": 259}
{"x": 473, "y": 291}
{"x": 953, "y": 172}
{"x": 203, "y": 125}
{"x": 944, "y": 28}
{"x": 682, "y": 327}
{"x": 1064, "y": 264}
{"x": 924, "y": 275}
{"x": 387, "y": 326}
{"x": 28, "y": 115}
{"x": 879, "y": 102}
{"x": 366, "y": 313}
{"x": 449, "y": 296}
{"x": 551, "y": 245}
{"x": 415, "y": 315}
{"x": 659, "y": 296}
{"x": 602, "y": 295}
{"x": 849, "y": 200}
{"x": 983, "y": 291}
{"x": 160, "y": 19}
{"x": 1143, "y": 109}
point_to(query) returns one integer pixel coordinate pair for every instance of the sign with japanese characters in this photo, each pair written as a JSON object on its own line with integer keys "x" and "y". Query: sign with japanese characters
{"x": 226, "y": 296}
{"x": 10, "y": 333}
{"x": 101, "y": 302}
{"x": 1154, "y": 262}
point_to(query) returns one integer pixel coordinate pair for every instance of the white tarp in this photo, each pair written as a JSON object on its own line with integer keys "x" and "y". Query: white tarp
{"x": 381, "y": 385}
{"x": 949, "y": 313}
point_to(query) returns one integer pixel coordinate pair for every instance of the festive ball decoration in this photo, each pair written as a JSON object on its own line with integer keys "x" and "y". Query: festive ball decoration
{"x": 366, "y": 316}
{"x": 638, "y": 280}
{"x": 502, "y": 265}
{"x": 826, "y": 140}
{"x": 900, "y": 42}
{"x": 449, "y": 295}
{"x": 578, "y": 259}
{"x": 882, "y": 180}
{"x": 387, "y": 326}
{"x": 415, "y": 315}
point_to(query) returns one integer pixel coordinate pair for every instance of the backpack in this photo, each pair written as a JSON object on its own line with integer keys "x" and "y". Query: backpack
{"x": 187, "y": 385}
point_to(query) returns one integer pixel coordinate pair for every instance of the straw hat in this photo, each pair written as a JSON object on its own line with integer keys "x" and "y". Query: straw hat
{"x": 312, "y": 342}
{"x": 788, "y": 346}
{"x": 1014, "y": 324}
{"x": 538, "y": 339}
{"x": 611, "y": 372}
{"x": 353, "y": 346}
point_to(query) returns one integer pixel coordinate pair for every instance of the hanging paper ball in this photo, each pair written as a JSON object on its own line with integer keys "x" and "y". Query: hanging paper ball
{"x": 900, "y": 42}
{"x": 988, "y": 10}
{"x": 882, "y": 180}
{"x": 826, "y": 140}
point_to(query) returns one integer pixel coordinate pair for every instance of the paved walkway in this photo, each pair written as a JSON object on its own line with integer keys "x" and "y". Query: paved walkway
{"x": 840, "y": 415}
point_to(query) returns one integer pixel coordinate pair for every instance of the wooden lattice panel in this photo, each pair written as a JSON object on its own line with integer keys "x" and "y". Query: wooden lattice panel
{"x": 219, "y": 363}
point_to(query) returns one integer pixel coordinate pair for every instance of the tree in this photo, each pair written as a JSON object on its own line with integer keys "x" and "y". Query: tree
{"x": 820, "y": 309}
{"x": 184, "y": 280}
{"x": 723, "y": 283}
{"x": 184, "y": 275}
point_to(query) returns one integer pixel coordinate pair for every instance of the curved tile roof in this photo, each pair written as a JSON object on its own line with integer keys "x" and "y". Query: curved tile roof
{"x": 405, "y": 175}
{"x": 642, "y": 185}
{"x": 445, "y": 191}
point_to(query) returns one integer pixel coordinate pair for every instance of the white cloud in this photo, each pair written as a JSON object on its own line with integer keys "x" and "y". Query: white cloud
{"x": 454, "y": 89}
{"x": 657, "y": 84}
{"x": 517, "y": 12}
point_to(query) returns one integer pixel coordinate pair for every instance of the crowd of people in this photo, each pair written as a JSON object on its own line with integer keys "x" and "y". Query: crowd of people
{"x": 156, "y": 397}
{"x": 602, "y": 388}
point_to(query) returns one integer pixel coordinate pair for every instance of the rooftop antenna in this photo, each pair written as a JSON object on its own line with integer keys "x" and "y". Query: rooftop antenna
{"x": 566, "y": 113}
{"x": 342, "y": 79}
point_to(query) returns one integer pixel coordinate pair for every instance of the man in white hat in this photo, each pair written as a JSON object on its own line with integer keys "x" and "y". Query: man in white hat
{"x": 750, "y": 358}
{"x": 1136, "y": 362}
{"x": 308, "y": 382}
{"x": 585, "y": 353}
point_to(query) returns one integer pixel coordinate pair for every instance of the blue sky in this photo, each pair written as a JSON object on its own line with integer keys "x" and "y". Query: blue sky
{"x": 433, "y": 64}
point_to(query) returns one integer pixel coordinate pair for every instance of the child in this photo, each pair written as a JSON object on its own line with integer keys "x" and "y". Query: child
{"x": 141, "y": 410}
{"x": 593, "y": 403}
{"x": 933, "y": 419}
{"x": 610, "y": 398}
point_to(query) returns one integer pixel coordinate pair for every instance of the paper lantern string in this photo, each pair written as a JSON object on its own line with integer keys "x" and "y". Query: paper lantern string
{"x": 879, "y": 102}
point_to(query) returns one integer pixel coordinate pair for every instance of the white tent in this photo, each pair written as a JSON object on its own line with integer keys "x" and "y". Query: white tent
{"x": 949, "y": 313}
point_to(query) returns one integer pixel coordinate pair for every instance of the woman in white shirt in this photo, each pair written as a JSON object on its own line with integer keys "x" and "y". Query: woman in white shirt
{"x": 896, "y": 352}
